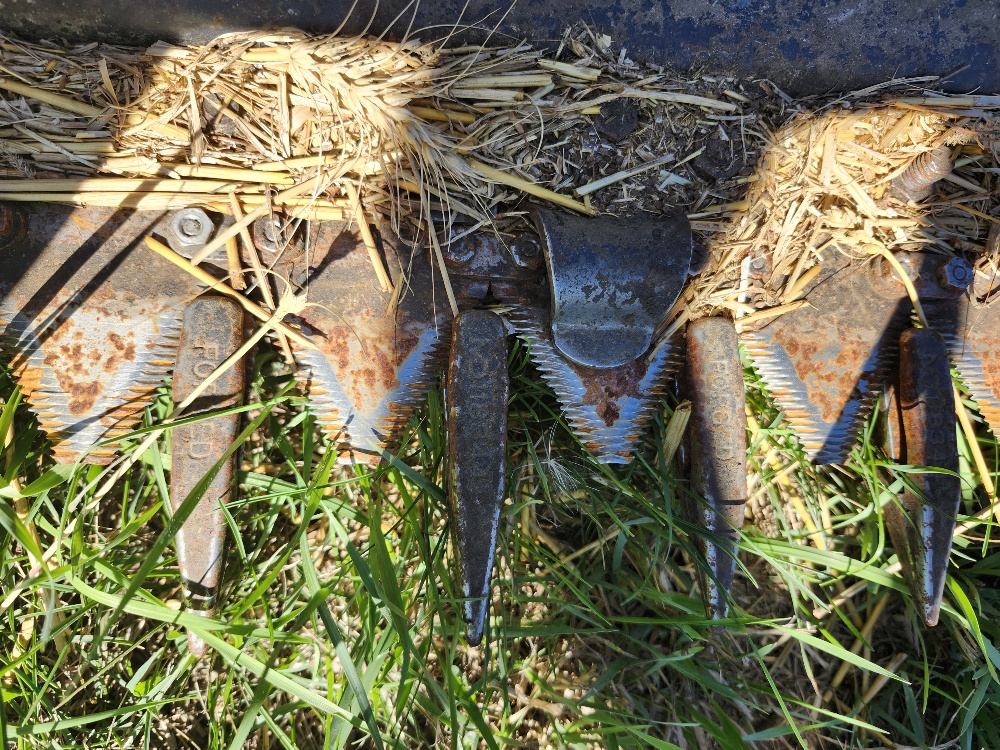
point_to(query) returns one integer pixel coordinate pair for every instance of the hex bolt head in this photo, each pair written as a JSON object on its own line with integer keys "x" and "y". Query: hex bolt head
{"x": 526, "y": 252}
{"x": 459, "y": 252}
{"x": 760, "y": 266}
{"x": 191, "y": 227}
{"x": 271, "y": 230}
{"x": 955, "y": 275}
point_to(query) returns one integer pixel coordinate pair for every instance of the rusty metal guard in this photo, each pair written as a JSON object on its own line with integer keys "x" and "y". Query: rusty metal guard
{"x": 922, "y": 525}
{"x": 718, "y": 450}
{"x": 213, "y": 330}
{"x": 477, "y": 393}
{"x": 89, "y": 321}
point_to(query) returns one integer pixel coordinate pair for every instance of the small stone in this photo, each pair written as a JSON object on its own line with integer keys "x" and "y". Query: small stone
{"x": 719, "y": 161}
{"x": 617, "y": 120}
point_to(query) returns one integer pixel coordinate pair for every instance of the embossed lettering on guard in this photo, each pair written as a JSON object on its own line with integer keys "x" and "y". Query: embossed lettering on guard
{"x": 718, "y": 449}
{"x": 213, "y": 330}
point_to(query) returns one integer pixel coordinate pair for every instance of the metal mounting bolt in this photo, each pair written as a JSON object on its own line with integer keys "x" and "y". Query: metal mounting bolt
{"x": 916, "y": 182}
{"x": 268, "y": 234}
{"x": 526, "y": 252}
{"x": 191, "y": 227}
{"x": 760, "y": 266}
{"x": 459, "y": 251}
{"x": 955, "y": 275}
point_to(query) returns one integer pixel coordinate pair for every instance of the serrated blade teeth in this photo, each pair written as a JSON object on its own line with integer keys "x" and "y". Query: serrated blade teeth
{"x": 89, "y": 321}
{"x": 371, "y": 367}
{"x": 80, "y": 377}
{"x": 972, "y": 335}
{"x": 608, "y": 409}
{"x": 825, "y": 363}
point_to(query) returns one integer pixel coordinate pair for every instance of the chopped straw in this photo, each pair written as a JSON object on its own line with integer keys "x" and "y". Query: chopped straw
{"x": 220, "y": 286}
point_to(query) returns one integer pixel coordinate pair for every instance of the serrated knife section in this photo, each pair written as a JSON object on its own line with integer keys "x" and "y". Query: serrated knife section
{"x": 826, "y": 363}
{"x": 971, "y": 332}
{"x": 89, "y": 322}
{"x": 377, "y": 352}
{"x": 612, "y": 282}
{"x": 608, "y": 409}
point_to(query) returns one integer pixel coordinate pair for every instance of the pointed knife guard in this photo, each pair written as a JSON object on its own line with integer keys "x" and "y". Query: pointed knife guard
{"x": 477, "y": 391}
{"x": 212, "y": 331}
{"x": 922, "y": 524}
{"x": 718, "y": 450}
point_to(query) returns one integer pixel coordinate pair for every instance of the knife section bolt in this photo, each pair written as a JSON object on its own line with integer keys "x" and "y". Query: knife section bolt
{"x": 955, "y": 275}
{"x": 192, "y": 227}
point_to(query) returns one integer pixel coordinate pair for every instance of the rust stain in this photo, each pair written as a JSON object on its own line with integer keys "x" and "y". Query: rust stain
{"x": 86, "y": 224}
{"x": 124, "y": 351}
{"x": 606, "y": 387}
{"x": 832, "y": 357}
{"x": 82, "y": 396}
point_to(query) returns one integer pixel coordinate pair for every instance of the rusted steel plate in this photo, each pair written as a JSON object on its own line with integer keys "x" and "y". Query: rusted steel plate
{"x": 89, "y": 320}
{"x": 825, "y": 363}
{"x": 212, "y": 331}
{"x": 477, "y": 391}
{"x": 922, "y": 524}
{"x": 377, "y": 355}
{"x": 718, "y": 441}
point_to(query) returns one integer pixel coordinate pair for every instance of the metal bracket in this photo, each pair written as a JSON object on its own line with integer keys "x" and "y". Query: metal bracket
{"x": 922, "y": 524}
{"x": 212, "y": 331}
